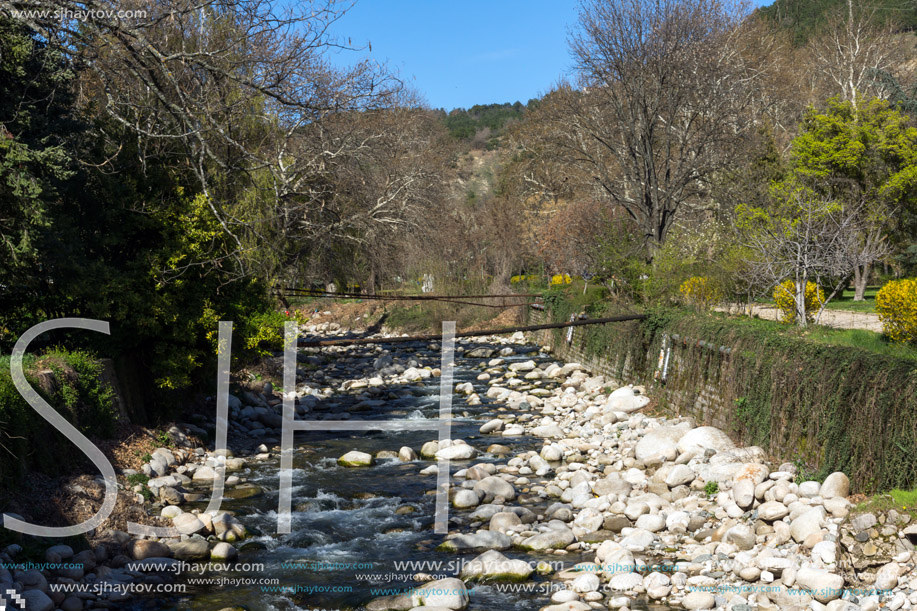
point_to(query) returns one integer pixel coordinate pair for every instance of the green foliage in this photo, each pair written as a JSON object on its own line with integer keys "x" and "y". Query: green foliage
{"x": 803, "y": 17}
{"x": 137, "y": 478}
{"x": 164, "y": 439}
{"x": 699, "y": 252}
{"x": 870, "y": 145}
{"x": 27, "y": 441}
{"x": 123, "y": 245}
{"x": 711, "y": 489}
{"x": 465, "y": 124}
{"x": 804, "y": 472}
{"x": 36, "y": 129}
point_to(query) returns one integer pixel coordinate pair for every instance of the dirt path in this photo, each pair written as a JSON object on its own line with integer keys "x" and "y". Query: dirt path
{"x": 839, "y": 319}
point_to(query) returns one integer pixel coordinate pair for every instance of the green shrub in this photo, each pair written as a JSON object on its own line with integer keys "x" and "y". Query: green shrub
{"x": 137, "y": 478}
{"x": 28, "y": 441}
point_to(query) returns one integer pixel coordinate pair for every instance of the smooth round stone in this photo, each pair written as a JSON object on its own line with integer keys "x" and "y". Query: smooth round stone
{"x": 586, "y": 583}
{"x": 564, "y": 596}
{"x": 699, "y": 600}
{"x": 464, "y": 499}
{"x": 809, "y": 489}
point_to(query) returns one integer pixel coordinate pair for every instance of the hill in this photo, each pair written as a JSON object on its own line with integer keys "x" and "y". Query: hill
{"x": 804, "y": 16}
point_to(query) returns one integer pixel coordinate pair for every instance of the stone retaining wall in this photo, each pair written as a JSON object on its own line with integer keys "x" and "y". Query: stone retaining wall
{"x": 680, "y": 396}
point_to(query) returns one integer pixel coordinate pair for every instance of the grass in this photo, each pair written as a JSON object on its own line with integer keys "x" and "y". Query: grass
{"x": 859, "y": 338}
{"x": 845, "y": 301}
{"x": 897, "y": 499}
{"x": 850, "y": 338}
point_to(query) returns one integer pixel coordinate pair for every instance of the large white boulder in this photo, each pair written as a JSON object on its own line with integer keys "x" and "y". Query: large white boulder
{"x": 705, "y": 437}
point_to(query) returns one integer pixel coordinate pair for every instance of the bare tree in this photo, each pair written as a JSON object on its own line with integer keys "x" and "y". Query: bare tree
{"x": 851, "y": 50}
{"x": 234, "y": 91}
{"x": 662, "y": 86}
{"x": 804, "y": 238}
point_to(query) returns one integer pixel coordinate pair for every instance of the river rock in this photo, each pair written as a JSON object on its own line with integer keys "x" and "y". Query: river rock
{"x": 551, "y": 453}
{"x": 472, "y": 541}
{"x": 491, "y": 426}
{"x": 614, "y": 558}
{"x": 449, "y": 593}
{"x": 835, "y": 485}
{"x": 807, "y": 524}
{"x": 705, "y": 437}
{"x": 809, "y": 489}
{"x": 227, "y": 528}
{"x": 204, "y": 474}
{"x": 548, "y": 431}
{"x": 661, "y": 441}
{"x": 503, "y": 520}
{"x": 553, "y": 539}
{"x": 612, "y": 484}
{"x": 658, "y": 585}
{"x": 397, "y": 602}
{"x": 624, "y": 582}
{"x": 744, "y": 482}
{"x": 406, "y": 454}
{"x": 589, "y": 582}
{"x": 699, "y": 600}
{"x": 35, "y": 600}
{"x": 187, "y": 523}
{"x": 824, "y": 586}
{"x": 141, "y": 549}
{"x": 355, "y": 458}
{"x": 223, "y": 552}
{"x": 887, "y": 576}
{"x": 771, "y": 511}
{"x": 493, "y": 565}
{"x": 492, "y": 487}
{"x": 465, "y": 498}
{"x": 741, "y": 536}
{"x": 457, "y": 451}
{"x": 679, "y": 475}
{"x": 194, "y": 548}
{"x": 573, "y": 605}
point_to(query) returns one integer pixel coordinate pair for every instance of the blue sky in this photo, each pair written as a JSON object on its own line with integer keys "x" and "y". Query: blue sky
{"x": 458, "y": 53}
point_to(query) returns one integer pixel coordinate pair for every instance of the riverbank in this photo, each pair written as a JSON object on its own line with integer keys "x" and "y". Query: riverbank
{"x": 566, "y": 493}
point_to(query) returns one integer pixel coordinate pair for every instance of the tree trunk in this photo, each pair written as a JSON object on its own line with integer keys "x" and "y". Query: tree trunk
{"x": 860, "y": 278}
{"x": 801, "y": 304}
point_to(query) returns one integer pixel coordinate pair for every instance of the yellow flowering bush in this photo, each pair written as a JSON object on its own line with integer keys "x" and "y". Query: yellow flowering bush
{"x": 896, "y": 305}
{"x": 784, "y": 297}
{"x": 700, "y": 291}
{"x": 523, "y": 278}
{"x": 558, "y": 279}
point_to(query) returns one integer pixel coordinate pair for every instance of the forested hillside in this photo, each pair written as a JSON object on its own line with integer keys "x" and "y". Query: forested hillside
{"x": 804, "y": 17}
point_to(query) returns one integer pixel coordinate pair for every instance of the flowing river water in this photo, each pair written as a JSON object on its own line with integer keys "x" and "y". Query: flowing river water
{"x": 353, "y": 528}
